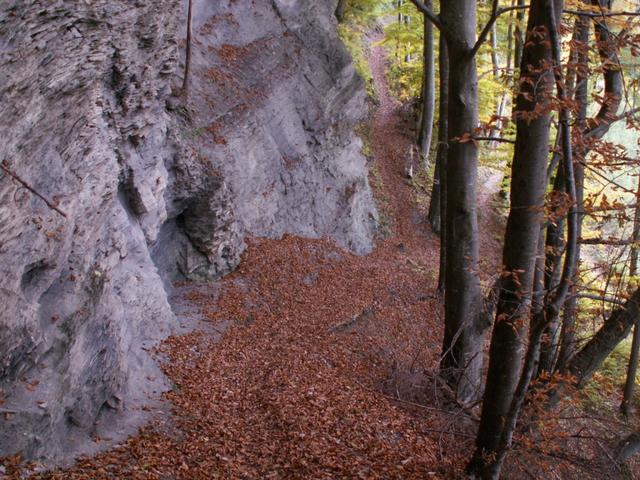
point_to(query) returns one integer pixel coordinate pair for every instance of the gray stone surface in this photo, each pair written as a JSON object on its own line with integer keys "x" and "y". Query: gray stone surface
{"x": 273, "y": 99}
{"x": 154, "y": 189}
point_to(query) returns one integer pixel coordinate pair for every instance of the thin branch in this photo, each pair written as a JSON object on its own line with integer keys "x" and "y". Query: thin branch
{"x": 487, "y": 28}
{"x": 595, "y": 131}
{"x": 613, "y": 301}
{"x": 602, "y": 14}
{"x": 5, "y": 168}
{"x": 433, "y": 18}
{"x": 606, "y": 241}
{"x": 495, "y": 139}
{"x": 495, "y": 13}
{"x": 567, "y": 158}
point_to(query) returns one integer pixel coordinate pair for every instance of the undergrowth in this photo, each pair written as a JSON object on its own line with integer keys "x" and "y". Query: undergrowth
{"x": 362, "y": 17}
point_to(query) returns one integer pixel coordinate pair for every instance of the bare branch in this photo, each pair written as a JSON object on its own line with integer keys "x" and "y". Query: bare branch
{"x": 613, "y": 301}
{"x": 495, "y": 13}
{"x": 5, "y": 168}
{"x": 433, "y": 18}
{"x": 495, "y": 139}
{"x": 581, "y": 13}
{"x": 606, "y": 241}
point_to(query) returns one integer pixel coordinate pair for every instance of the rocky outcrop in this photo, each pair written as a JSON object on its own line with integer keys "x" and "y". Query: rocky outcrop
{"x": 275, "y": 100}
{"x": 150, "y": 187}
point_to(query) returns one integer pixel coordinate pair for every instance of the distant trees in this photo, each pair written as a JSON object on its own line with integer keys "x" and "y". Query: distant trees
{"x": 428, "y": 90}
{"x": 534, "y": 331}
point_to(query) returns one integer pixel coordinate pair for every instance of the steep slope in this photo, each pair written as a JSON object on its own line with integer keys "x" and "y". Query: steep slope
{"x": 150, "y": 189}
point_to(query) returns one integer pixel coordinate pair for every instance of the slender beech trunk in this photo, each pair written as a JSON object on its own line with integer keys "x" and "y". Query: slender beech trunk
{"x": 187, "y": 61}
{"x": 632, "y": 369}
{"x": 428, "y": 91}
{"x": 554, "y": 249}
{"x": 340, "y": 10}
{"x": 438, "y": 204}
{"x": 590, "y": 357}
{"x": 521, "y": 242}
{"x": 594, "y": 128}
{"x": 440, "y": 207}
{"x": 567, "y": 338}
{"x": 501, "y": 105}
{"x": 629, "y": 386}
{"x": 617, "y": 327}
{"x": 515, "y": 42}
{"x": 461, "y": 362}
{"x": 519, "y": 36}
{"x": 434, "y": 203}
{"x": 576, "y": 87}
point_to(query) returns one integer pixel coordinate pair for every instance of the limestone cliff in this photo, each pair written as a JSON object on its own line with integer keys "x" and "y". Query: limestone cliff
{"x": 152, "y": 187}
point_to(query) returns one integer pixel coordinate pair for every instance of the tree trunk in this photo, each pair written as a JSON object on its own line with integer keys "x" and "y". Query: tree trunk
{"x": 629, "y": 447}
{"x": 443, "y": 147}
{"x": 554, "y": 247}
{"x": 617, "y": 327}
{"x": 632, "y": 369}
{"x": 438, "y": 204}
{"x": 519, "y": 37}
{"x": 340, "y": 10}
{"x": 630, "y": 383}
{"x": 434, "y": 203}
{"x": 501, "y": 105}
{"x": 591, "y": 356}
{"x": 428, "y": 91}
{"x": 595, "y": 128}
{"x": 521, "y": 241}
{"x": 187, "y": 61}
{"x": 518, "y": 34}
{"x": 461, "y": 362}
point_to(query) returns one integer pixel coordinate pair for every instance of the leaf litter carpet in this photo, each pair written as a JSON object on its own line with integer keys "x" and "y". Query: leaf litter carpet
{"x": 324, "y": 361}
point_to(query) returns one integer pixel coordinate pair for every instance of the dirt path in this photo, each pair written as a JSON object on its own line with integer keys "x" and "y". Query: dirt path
{"x": 391, "y": 145}
{"x": 392, "y": 140}
{"x": 321, "y": 362}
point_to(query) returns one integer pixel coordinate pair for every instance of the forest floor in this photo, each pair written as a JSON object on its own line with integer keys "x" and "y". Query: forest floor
{"x": 326, "y": 363}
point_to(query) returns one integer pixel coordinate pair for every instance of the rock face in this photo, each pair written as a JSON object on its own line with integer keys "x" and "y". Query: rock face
{"x": 151, "y": 186}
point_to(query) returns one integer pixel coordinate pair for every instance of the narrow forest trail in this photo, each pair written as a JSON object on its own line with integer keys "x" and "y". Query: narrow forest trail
{"x": 322, "y": 357}
{"x": 392, "y": 142}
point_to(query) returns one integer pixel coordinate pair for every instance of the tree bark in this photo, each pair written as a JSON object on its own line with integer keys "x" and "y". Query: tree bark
{"x": 340, "y": 10}
{"x": 461, "y": 362}
{"x": 554, "y": 247}
{"x": 594, "y": 128}
{"x": 443, "y": 147}
{"x": 518, "y": 34}
{"x": 434, "y": 203}
{"x": 629, "y": 447}
{"x": 632, "y": 369}
{"x": 438, "y": 204}
{"x": 590, "y": 357}
{"x": 521, "y": 245}
{"x": 428, "y": 91}
{"x": 630, "y": 383}
{"x": 501, "y": 104}
{"x": 584, "y": 363}
{"x": 187, "y": 62}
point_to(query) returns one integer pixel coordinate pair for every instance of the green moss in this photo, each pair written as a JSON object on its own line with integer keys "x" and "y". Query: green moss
{"x": 361, "y": 18}
{"x": 363, "y": 130}
{"x": 385, "y": 212}
{"x": 353, "y": 37}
